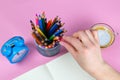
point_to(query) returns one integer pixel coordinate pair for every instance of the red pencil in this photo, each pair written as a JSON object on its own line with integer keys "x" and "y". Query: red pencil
{"x": 48, "y": 25}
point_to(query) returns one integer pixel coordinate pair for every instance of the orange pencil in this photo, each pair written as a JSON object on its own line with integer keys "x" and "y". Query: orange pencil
{"x": 36, "y": 38}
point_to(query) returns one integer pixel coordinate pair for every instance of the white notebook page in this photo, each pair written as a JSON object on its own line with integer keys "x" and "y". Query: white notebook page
{"x": 38, "y": 73}
{"x": 62, "y": 68}
{"x": 66, "y": 68}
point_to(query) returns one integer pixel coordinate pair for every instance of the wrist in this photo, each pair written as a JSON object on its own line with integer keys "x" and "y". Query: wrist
{"x": 105, "y": 72}
{"x": 99, "y": 70}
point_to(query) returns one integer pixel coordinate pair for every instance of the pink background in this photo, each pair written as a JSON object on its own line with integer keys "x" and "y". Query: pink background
{"x": 77, "y": 14}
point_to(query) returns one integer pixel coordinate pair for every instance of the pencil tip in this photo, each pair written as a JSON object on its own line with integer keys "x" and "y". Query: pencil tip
{"x": 30, "y": 21}
{"x": 36, "y": 14}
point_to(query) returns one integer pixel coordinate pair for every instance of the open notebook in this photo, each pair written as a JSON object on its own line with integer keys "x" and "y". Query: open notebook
{"x": 62, "y": 68}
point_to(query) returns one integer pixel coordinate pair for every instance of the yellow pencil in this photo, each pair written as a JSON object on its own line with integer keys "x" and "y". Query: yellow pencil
{"x": 40, "y": 32}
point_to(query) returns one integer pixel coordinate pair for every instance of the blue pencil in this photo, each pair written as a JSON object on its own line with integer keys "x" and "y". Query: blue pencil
{"x": 41, "y": 25}
{"x": 56, "y": 34}
{"x": 53, "y": 29}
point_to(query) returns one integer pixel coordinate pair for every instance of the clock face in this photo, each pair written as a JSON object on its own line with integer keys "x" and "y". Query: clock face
{"x": 19, "y": 56}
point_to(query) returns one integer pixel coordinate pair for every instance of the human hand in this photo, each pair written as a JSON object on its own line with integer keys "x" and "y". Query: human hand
{"x": 85, "y": 48}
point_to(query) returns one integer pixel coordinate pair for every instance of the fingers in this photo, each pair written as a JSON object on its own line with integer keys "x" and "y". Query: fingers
{"x": 90, "y": 35}
{"x": 74, "y": 42}
{"x": 95, "y": 35}
{"x": 82, "y": 35}
{"x": 68, "y": 47}
{"x": 80, "y": 41}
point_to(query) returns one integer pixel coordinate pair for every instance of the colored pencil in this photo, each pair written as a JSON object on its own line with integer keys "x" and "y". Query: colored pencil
{"x": 47, "y": 34}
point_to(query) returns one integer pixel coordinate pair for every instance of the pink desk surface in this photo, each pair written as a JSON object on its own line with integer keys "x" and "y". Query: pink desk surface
{"x": 77, "y": 14}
